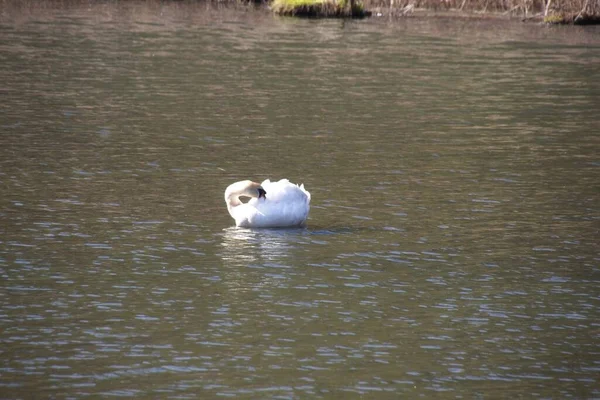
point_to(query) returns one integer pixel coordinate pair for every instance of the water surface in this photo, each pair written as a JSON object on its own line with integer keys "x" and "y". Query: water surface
{"x": 451, "y": 250}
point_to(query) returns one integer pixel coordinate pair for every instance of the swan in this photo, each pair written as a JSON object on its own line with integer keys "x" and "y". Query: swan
{"x": 272, "y": 204}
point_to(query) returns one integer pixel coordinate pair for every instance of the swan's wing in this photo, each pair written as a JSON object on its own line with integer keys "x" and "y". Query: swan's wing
{"x": 285, "y": 191}
{"x": 286, "y": 204}
{"x": 245, "y": 214}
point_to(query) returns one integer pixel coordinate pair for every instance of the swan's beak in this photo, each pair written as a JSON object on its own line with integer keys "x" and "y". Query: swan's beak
{"x": 262, "y": 193}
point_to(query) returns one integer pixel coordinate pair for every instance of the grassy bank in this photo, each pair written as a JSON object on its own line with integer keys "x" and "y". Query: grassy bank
{"x": 551, "y": 11}
{"x": 320, "y": 8}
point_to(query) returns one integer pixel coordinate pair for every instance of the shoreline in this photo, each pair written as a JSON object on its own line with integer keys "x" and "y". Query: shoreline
{"x": 568, "y": 12}
{"x": 379, "y": 12}
{"x": 544, "y": 12}
{"x": 573, "y": 12}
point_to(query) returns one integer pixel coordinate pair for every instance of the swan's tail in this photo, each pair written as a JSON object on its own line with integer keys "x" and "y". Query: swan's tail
{"x": 305, "y": 192}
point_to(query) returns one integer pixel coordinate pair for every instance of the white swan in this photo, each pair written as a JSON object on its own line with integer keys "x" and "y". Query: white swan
{"x": 272, "y": 204}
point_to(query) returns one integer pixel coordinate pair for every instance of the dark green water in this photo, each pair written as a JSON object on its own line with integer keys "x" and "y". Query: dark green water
{"x": 452, "y": 247}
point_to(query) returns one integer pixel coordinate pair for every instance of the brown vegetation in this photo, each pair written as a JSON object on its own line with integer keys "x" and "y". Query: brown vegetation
{"x": 550, "y": 11}
{"x": 569, "y": 11}
{"x": 320, "y": 8}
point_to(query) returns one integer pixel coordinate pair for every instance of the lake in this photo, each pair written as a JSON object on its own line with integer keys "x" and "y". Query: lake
{"x": 452, "y": 245}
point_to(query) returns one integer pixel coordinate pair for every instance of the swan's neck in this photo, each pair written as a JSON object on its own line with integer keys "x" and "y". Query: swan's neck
{"x": 232, "y": 200}
{"x": 233, "y": 193}
{"x": 237, "y": 190}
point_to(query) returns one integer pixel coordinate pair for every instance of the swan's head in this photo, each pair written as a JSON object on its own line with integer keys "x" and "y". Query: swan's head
{"x": 261, "y": 193}
{"x": 253, "y": 189}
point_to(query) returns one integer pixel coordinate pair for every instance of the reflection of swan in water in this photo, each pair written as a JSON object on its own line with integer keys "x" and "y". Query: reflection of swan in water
{"x": 243, "y": 247}
{"x": 272, "y": 204}
{"x": 247, "y": 246}
{"x": 253, "y": 259}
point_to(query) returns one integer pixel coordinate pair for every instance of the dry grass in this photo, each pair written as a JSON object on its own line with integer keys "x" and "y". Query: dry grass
{"x": 565, "y": 11}
{"x": 532, "y": 6}
{"x": 551, "y": 11}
